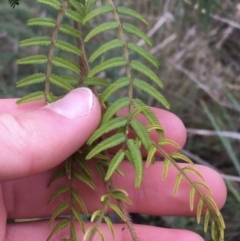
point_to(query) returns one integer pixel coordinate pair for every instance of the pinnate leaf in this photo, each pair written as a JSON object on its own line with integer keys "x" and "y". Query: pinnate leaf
{"x": 61, "y": 208}
{"x": 113, "y": 44}
{"x": 100, "y": 10}
{"x": 107, "y": 127}
{"x": 32, "y": 79}
{"x": 140, "y": 84}
{"x": 118, "y": 84}
{"x": 129, "y": 28}
{"x": 137, "y": 161}
{"x": 60, "y": 225}
{"x": 110, "y": 63}
{"x": 34, "y": 59}
{"x": 138, "y": 66}
{"x": 115, "y": 162}
{"x": 60, "y": 190}
{"x": 145, "y": 54}
{"x": 106, "y": 144}
{"x": 116, "y": 209}
{"x": 101, "y": 28}
{"x": 39, "y": 95}
{"x": 177, "y": 183}
{"x": 114, "y": 108}
{"x": 132, "y": 13}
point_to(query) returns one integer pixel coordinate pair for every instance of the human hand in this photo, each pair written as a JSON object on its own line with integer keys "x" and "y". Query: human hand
{"x": 34, "y": 140}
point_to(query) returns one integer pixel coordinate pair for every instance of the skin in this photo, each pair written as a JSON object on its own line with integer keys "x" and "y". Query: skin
{"x": 34, "y": 140}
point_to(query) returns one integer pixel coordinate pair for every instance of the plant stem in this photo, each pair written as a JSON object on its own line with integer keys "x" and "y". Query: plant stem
{"x": 52, "y": 45}
{"x": 83, "y": 60}
{"x": 126, "y": 56}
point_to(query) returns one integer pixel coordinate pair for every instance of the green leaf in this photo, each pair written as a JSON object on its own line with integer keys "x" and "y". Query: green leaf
{"x": 137, "y": 161}
{"x": 137, "y": 111}
{"x": 88, "y": 5}
{"x": 107, "y": 127}
{"x": 101, "y": 235}
{"x": 43, "y": 40}
{"x": 48, "y": 22}
{"x": 79, "y": 201}
{"x": 164, "y": 141}
{"x": 136, "y": 65}
{"x": 53, "y": 3}
{"x": 151, "y": 154}
{"x": 121, "y": 195}
{"x": 67, "y": 29}
{"x": 150, "y": 116}
{"x": 206, "y": 220}
{"x": 118, "y": 211}
{"x": 74, "y": 16}
{"x": 50, "y": 97}
{"x": 45, "y": 22}
{"x": 118, "y": 84}
{"x": 96, "y": 214}
{"x": 76, "y": 4}
{"x": 145, "y": 54}
{"x": 73, "y": 232}
{"x": 114, "y": 108}
{"x": 142, "y": 133}
{"x": 78, "y": 217}
{"x": 85, "y": 179}
{"x": 140, "y": 84}
{"x": 34, "y": 59}
{"x": 32, "y": 79}
{"x": 60, "y": 225}
{"x": 110, "y": 63}
{"x": 115, "y": 162}
{"x": 101, "y": 28}
{"x": 192, "y": 169}
{"x": 129, "y": 28}
{"x": 72, "y": 80}
{"x": 204, "y": 186}
{"x": 57, "y": 174}
{"x": 106, "y": 144}
{"x": 180, "y": 156}
{"x": 63, "y": 45}
{"x": 100, "y": 10}
{"x": 113, "y": 44}
{"x": 61, "y": 208}
{"x": 108, "y": 221}
{"x": 177, "y": 183}
{"x": 132, "y": 13}
{"x": 192, "y": 195}
{"x": 199, "y": 210}
{"x": 95, "y": 81}
{"x": 39, "y": 95}
{"x": 60, "y": 190}
{"x": 166, "y": 165}
{"x": 57, "y": 80}
{"x": 65, "y": 63}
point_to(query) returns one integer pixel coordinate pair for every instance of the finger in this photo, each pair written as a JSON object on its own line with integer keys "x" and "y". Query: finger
{"x": 39, "y": 231}
{"x": 9, "y": 106}
{"x": 174, "y": 128}
{"x": 39, "y": 140}
{"x": 28, "y": 198}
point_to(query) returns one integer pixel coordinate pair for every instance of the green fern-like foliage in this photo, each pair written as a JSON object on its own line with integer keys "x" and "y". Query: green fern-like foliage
{"x": 13, "y": 3}
{"x": 137, "y": 76}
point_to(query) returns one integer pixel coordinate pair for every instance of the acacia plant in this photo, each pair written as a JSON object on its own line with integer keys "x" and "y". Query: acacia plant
{"x": 86, "y": 72}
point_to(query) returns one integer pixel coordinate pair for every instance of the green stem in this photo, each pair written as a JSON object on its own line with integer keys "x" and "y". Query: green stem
{"x": 214, "y": 214}
{"x": 52, "y": 45}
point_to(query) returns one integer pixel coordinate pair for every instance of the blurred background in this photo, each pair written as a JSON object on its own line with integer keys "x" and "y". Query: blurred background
{"x": 199, "y": 55}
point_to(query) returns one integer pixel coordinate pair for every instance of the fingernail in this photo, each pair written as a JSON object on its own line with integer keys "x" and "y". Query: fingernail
{"x": 75, "y": 104}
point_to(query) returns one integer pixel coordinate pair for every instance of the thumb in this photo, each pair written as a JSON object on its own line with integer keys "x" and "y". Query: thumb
{"x": 40, "y": 140}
